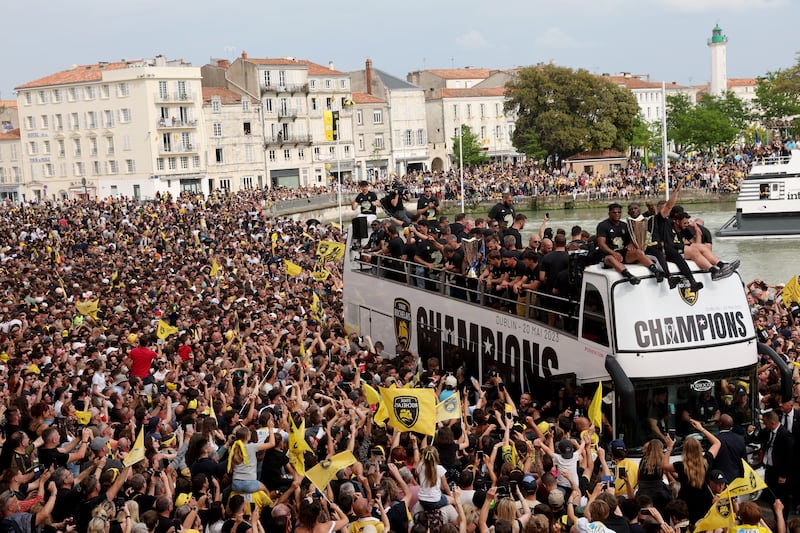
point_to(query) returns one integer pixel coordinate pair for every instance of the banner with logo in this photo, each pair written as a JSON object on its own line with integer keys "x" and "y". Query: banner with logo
{"x": 411, "y": 409}
{"x": 650, "y": 317}
{"x": 449, "y": 408}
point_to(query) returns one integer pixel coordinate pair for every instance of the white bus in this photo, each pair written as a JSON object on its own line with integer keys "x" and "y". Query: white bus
{"x": 639, "y": 341}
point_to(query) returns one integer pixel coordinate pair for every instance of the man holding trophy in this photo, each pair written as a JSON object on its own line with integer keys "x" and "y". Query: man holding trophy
{"x": 614, "y": 241}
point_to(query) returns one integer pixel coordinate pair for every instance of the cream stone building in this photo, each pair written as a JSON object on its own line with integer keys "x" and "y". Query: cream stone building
{"x": 235, "y": 152}
{"x": 301, "y": 102}
{"x": 129, "y": 128}
{"x": 10, "y": 169}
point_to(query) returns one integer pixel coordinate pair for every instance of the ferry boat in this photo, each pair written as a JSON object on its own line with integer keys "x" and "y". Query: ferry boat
{"x": 769, "y": 200}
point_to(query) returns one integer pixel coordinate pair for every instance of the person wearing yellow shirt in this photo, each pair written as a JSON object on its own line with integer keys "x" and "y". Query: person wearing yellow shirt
{"x": 626, "y": 471}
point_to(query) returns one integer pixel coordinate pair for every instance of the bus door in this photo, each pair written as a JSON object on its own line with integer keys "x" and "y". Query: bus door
{"x": 594, "y": 323}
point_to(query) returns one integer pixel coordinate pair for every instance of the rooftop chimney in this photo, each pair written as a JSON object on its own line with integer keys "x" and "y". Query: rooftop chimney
{"x": 368, "y": 75}
{"x": 244, "y": 54}
{"x": 330, "y": 65}
{"x": 223, "y": 63}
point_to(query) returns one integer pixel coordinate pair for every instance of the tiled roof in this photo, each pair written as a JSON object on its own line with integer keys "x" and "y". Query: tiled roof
{"x": 638, "y": 83}
{"x": 742, "y": 82}
{"x": 80, "y": 74}
{"x": 472, "y": 92}
{"x": 313, "y": 68}
{"x": 13, "y": 134}
{"x": 226, "y": 96}
{"x": 597, "y": 154}
{"x": 8, "y": 104}
{"x": 462, "y": 73}
{"x": 364, "y": 98}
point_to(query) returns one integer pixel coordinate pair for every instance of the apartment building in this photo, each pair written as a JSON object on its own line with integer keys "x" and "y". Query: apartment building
{"x": 474, "y": 97}
{"x": 372, "y": 132}
{"x": 301, "y": 102}
{"x": 648, "y": 93}
{"x": 129, "y": 128}
{"x": 10, "y": 169}
{"x": 407, "y": 119}
{"x": 235, "y": 151}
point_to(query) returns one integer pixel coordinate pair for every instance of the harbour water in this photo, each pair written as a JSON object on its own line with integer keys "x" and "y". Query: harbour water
{"x": 775, "y": 260}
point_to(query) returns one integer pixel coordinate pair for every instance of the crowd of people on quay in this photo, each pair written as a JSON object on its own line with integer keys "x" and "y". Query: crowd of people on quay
{"x": 177, "y": 365}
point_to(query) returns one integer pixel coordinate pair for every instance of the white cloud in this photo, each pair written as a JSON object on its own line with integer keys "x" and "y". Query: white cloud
{"x": 472, "y": 39}
{"x": 721, "y": 6}
{"x": 556, "y": 38}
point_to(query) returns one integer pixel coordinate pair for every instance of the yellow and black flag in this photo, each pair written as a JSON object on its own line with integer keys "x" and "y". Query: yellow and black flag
{"x": 325, "y": 471}
{"x": 411, "y": 409}
{"x": 449, "y": 408}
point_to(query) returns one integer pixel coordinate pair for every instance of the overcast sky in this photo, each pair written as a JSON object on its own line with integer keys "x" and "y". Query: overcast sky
{"x": 665, "y": 38}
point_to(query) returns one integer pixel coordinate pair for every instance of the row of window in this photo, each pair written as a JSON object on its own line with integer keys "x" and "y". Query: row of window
{"x": 74, "y": 94}
{"x": 498, "y": 132}
{"x": 247, "y": 182}
{"x": 377, "y": 116}
{"x": 272, "y": 78}
{"x": 171, "y": 163}
{"x": 59, "y": 146}
{"x": 12, "y": 151}
{"x": 216, "y": 104}
{"x": 80, "y": 169}
{"x": 498, "y": 110}
{"x": 10, "y": 175}
{"x": 91, "y": 120}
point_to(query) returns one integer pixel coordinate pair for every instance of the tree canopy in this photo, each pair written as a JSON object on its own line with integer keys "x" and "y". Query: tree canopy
{"x": 714, "y": 121}
{"x": 778, "y": 97}
{"x": 563, "y": 111}
{"x": 472, "y": 148}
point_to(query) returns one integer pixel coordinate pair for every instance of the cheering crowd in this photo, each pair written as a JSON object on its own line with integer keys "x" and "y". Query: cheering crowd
{"x": 178, "y": 365}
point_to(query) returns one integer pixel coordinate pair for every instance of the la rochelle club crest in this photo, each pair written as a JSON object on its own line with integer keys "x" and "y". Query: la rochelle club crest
{"x": 402, "y": 323}
{"x": 406, "y": 410}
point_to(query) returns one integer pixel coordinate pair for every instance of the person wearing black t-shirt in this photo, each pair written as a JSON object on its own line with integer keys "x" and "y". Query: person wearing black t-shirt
{"x": 614, "y": 242}
{"x": 504, "y": 212}
{"x": 51, "y": 454}
{"x": 553, "y": 265}
{"x": 428, "y": 205}
{"x": 366, "y": 200}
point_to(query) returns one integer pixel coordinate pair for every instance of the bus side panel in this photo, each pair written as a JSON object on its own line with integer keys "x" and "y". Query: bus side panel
{"x": 377, "y": 325}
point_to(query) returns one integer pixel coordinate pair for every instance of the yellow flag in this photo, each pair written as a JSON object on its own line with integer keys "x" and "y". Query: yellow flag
{"x": 292, "y": 269}
{"x": 84, "y": 417}
{"x": 750, "y": 482}
{"x": 214, "y": 268}
{"x": 211, "y": 411}
{"x": 372, "y": 395}
{"x": 595, "y": 412}
{"x": 88, "y": 307}
{"x": 165, "y": 330}
{"x": 411, "y": 409}
{"x": 330, "y": 249}
{"x": 298, "y": 446}
{"x": 316, "y": 308}
{"x": 137, "y": 452}
{"x": 326, "y": 470}
{"x": 791, "y": 292}
{"x": 449, "y": 409}
{"x": 719, "y": 516}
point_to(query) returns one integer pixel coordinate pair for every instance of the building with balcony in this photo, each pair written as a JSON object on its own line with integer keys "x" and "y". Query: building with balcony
{"x": 129, "y": 128}
{"x": 371, "y": 131}
{"x": 10, "y": 149}
{"x": 296, "y": 96}
{"x": 234, "y": 149}
{"x": 407, "y": 120}
{"x": 471, "y": 96}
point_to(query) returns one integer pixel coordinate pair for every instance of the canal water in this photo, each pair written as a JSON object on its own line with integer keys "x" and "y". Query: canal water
{"x": 775, "y": 260}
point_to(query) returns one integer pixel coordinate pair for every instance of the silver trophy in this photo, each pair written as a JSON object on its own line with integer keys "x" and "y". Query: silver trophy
{"x": 471, "y": 247}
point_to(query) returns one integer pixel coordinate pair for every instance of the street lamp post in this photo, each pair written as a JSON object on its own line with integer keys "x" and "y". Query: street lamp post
{"x": 461, "y": 161}
{"x": 83, "y": 182}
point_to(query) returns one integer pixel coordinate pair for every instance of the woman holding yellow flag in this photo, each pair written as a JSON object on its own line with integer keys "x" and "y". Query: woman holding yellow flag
{"x": 242, "y": 460}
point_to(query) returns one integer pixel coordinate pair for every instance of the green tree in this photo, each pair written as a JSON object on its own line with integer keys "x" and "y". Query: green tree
{"x": 711, "y": 123}
{"x": 473, "y": 155}
{"x": 778, "y": 97}
{"x": 563, "y": 111}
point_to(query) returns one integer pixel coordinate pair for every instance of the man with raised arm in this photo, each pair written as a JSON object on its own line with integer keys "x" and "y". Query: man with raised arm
{"x": 614, "y": 242}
